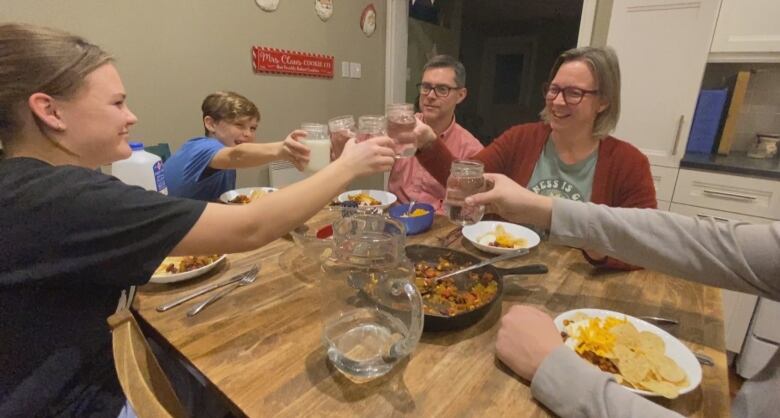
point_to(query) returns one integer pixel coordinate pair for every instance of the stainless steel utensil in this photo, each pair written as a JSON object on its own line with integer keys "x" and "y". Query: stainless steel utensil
{"x": 704, "y": 359}
{"x": 206, "y": 289}
{"x": 507, "y": 256}
{"x": 409, "y": 209}
{"x": 199, "y": 307}
{"x": 660, "y": 320}
{"x": 451, "y": 237}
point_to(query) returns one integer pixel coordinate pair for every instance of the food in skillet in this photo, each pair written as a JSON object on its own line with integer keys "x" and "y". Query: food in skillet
{"x": 364, "y": 199}
{"x": 502, "y": 239}
{"x": 173, "y": 265}
{"x": 244, "y": 199}
{"x": 443, "y": 297}
{"x": 636, "y": 359}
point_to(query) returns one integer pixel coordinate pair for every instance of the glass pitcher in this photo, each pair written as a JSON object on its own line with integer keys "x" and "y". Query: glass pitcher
{"x": 371, "y": 311}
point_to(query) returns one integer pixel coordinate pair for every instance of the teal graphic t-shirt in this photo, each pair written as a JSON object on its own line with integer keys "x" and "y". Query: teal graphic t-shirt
{"x": 553, "y": 177}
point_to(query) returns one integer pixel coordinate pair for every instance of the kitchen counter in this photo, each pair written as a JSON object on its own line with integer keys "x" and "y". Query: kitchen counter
{"x": 736, "y": 163}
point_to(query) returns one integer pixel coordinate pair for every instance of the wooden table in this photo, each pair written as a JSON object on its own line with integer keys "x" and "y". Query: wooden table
{"x": 260, "y": 346}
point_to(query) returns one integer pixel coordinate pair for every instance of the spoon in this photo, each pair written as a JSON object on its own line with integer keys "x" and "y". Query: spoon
{"x": 409, "y": 209}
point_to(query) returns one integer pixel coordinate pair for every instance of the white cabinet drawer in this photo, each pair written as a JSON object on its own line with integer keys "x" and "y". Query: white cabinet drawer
{"x": 737, "y": 194}
{"x": 663, "y": 179}
{"x": 718, "y": 215}
{"x": 664, "y": 205}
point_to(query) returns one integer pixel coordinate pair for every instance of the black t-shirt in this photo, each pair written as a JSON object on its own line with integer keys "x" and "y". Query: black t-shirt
{"x": 70, "y": 240}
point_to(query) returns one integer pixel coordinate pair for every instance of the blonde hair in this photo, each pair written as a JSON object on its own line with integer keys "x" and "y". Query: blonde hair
{"x": 227, "y": 105}
{"x": 38, "y": 59}
{"x": 603, "y": 63}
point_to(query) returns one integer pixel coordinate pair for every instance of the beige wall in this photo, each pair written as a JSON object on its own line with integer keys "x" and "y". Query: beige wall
{"x": 172, "y": 53}
{"x": 601, "y": 23}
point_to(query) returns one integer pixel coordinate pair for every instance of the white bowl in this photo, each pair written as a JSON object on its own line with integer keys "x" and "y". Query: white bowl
{"x": 675, "y": 349}
{"x": 477, "y": 231}
{"x": 185, "y": 275}
{"x": 386, "y": 198}
{"x": 232, "y": 194}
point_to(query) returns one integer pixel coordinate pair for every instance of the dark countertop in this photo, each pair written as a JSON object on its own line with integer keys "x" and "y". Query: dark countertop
{"x": 736, "y": 163}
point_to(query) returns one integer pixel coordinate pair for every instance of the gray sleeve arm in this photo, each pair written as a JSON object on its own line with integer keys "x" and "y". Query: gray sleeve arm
{"x": 595, "y": 393}
{"x": 731, "y": 255}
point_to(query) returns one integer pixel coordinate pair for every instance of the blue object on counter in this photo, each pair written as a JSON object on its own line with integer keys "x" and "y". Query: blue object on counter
{"x": 706, "y": 123}
{"x": 414, "y": 224}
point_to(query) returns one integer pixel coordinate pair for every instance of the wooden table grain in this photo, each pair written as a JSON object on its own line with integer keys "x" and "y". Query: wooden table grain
{"x": 260, "y": 346}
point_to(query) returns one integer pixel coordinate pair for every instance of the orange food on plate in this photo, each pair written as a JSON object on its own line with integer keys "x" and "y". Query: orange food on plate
{"x": 173, "y": 265}
{"x": 364, "y": 199}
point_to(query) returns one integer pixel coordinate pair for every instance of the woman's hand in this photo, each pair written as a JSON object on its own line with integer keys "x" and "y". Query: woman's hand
{"x": 513, "y": 201}
{"x": 526, "y": 337}
{"x": 371, "y": 156}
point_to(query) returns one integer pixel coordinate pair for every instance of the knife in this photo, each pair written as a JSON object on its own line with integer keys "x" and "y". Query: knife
{"x": 206, "y": 289}
{"x": 502, "y": 257}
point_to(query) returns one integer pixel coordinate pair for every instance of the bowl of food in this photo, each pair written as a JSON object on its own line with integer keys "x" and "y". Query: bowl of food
{"x": 417, "y": 220}
{"x": 245, "y": 195}
{"x": 368, "y": 199}
{"x": 500, "y": 237}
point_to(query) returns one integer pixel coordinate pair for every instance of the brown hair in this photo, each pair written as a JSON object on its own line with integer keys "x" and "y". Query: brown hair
{"x": 227, "y": 105}
{"x": 38, "y": 59}
{"x": 603, "y": 63}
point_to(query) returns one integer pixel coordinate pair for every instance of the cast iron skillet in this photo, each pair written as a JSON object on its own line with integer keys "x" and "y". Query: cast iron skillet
{"x": 431, "y": 255}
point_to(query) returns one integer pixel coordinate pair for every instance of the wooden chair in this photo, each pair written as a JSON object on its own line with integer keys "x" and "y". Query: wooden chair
{"x": 143, "y": 381}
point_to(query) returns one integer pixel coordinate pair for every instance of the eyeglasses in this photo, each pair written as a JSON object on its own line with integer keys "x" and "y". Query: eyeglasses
{"x": 571, "y": 95}
{"x": 440, "y": 90}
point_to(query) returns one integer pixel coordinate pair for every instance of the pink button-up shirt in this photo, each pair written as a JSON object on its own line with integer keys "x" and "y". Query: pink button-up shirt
{"x": 410, "y": 181}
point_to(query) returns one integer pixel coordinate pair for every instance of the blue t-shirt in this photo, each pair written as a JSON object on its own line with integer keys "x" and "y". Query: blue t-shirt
{"x": 187, "y": 171}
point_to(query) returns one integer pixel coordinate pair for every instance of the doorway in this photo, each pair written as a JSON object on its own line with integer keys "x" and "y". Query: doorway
{"x": 507, "y": 47}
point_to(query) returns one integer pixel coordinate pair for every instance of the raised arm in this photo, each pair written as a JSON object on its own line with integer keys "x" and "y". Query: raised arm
{"x": 250, "y": 154}
{"x": 233, "y": 228}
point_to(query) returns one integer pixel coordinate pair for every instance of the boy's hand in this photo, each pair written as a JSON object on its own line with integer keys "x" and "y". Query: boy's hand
{"x": 527, "y": 335}
{"x": 294, "y": 151}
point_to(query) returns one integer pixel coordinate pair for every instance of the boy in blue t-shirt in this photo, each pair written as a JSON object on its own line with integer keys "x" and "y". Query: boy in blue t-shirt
{"x": 205, "y": 167}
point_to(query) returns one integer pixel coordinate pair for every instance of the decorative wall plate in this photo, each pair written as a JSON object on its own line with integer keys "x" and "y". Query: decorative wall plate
{"x": 324, "y": 9}
{"x": 368, "y": 20}
{"x": 268, "y": 5}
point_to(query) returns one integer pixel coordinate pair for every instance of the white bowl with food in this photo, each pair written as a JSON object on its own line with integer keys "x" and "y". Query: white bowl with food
{"x": 500, "y": 237}
{"x": 245, "y": 195}
{"x": 371, "y": 199}
{"x": 643, "y": 358}
{"x": 177, "y": 268}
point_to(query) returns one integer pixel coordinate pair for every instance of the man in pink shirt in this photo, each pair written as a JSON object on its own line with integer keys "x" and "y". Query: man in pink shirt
{"x": 442, "y": 88}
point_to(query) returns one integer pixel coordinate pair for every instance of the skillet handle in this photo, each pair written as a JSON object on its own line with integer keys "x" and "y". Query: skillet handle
{"x": 527, "y": 269}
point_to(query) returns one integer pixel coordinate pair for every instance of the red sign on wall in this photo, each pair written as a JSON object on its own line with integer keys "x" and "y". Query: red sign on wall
{"x": 279, "y": 61}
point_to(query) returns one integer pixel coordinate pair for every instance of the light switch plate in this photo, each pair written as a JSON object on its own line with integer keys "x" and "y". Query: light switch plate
{"x": 355, "y": 70}
{"x": 345, "y": 69}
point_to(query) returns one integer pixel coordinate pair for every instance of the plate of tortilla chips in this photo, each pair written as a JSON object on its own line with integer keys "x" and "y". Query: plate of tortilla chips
{"x": 642, "y": 357}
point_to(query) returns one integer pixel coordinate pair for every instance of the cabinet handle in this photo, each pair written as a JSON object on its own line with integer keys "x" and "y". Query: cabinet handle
{"x": 717, "y": 218}
{"x": 728, "y": 195}
{"x": 677, "y": 135}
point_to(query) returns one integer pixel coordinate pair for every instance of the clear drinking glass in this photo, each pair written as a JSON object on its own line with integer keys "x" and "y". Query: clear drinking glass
{"x": 318, "y": 141}
{"x": 370, "y": 126}
{"x": 371, "y": 311}
{"x": 400, "y": 124}
{"x": 342, "y": 129}
{"x": 465, "y": 180}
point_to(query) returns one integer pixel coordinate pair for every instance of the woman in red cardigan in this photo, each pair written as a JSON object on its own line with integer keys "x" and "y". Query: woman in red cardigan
{"x": 570, "y": 153}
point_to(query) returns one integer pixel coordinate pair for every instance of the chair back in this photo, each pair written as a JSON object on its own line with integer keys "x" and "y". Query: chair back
{"x": 144, "y": 383}
{"x": 162, "y": 150}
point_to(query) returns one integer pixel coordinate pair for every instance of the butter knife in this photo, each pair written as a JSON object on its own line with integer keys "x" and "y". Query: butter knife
{"x": 502, "y": 257}
{"x": 206, "y": 289}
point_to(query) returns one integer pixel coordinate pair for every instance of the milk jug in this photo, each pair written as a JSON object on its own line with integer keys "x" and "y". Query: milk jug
{"x": 141, "y": 169}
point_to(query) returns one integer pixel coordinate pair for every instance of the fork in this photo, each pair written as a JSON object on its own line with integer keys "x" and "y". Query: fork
{"x": 243, "y": 282}
{"x": 702, "y": 358}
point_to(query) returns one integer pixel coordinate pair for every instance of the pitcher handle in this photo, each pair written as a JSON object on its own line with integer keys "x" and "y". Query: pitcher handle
{"x": 405, "y": 347}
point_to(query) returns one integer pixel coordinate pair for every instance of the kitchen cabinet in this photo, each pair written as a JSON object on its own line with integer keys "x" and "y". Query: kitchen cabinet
{"x": 724, "y": 198}
{"x": 747, "y": 26}
{"x": 662, "y": 47}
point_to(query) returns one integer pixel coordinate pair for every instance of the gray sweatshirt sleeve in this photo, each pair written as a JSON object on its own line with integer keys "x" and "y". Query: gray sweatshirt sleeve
{"x": 595, "y": 393}
{"x": 730, "y": 255}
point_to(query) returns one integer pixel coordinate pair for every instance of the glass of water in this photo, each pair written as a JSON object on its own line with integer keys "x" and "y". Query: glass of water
{"x": 370, "y": 126}
{"x": 342, "y": 129}
{"x": 466, "y": 178}
{"x": 400, "y": 124}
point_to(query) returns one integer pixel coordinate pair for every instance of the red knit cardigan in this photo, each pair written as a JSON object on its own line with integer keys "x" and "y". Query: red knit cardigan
{"x": 622, "y": 177}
